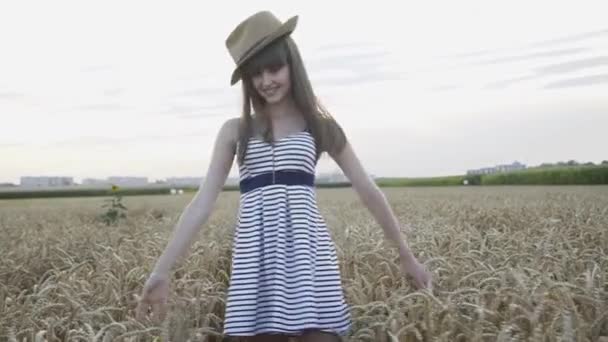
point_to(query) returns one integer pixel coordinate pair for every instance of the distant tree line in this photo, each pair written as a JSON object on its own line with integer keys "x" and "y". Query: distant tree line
{"x": 551, "y": 174}
{"x": 570, "y": 163}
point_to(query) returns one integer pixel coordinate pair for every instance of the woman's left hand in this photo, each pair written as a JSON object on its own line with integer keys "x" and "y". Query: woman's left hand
{"x": 422, "y": 277}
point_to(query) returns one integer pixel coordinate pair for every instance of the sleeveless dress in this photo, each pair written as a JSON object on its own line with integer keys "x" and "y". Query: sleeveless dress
{"x": 285, "y": 276}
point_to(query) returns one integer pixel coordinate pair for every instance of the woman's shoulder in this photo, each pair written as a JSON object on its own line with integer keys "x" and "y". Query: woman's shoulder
{"x": 233, "y": 127}
{"x": 230, "y": 129}
{"x": 233, "y": 123}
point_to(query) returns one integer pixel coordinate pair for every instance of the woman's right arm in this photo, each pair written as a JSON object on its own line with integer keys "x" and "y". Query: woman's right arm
{"x": 200, "y": 207}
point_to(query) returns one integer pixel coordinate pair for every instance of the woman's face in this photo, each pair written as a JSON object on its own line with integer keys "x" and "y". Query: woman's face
{"x": 272, "y": 83}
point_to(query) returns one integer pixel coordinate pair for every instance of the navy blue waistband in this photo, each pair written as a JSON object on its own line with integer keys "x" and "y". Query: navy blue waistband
{"x": 287, "y": 177}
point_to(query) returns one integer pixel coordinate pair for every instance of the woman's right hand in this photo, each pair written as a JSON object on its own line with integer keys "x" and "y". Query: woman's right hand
{"x": 154, "y": 295}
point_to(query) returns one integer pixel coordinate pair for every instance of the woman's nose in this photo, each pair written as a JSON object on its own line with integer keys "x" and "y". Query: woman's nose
{"x": 266, "y": 77}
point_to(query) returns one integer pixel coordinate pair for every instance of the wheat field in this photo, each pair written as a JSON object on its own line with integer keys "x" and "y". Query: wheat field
{"x": 509, "y": 264}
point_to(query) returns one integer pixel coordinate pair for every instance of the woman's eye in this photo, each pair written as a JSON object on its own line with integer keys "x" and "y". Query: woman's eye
{"x": 274, "y": 68}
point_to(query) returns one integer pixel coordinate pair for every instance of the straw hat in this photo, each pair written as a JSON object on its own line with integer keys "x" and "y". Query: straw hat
{"x": 253, "y": 34}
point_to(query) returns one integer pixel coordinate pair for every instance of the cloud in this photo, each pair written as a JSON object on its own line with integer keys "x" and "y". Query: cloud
{"x": 181, "y": 108}
{"x": 102, "y": 107}
{"x": 344, "y": 46}
{"x": 543, "y": 50}
{"x": 197, "y": 111}
{"x": 92, "y": 140}
{"x": 358, "y": 77}
{"x": 201, "y": 102}
{"x": 345, "y": 64}
{"x": 97, "y": 68}
{"x": 113, "y": 92}
{"x": 205, "y": 115}
{"x": 578, "y": 82}
{"x": 8, "y": 145}
{"x": 201, "y": 92}
{"x": 445, "y": 87}
{"x": 540, "y": 44}
{"x": 193, "y": 76}
{"x": 98, "y": 140}
{"x": 10, "y": 95}
{"x": 573, "y": 65}
{"x": 553, "y": 69}
{"x": 348, "y": 61}
{"x": 505, "y": 83}
{"x": 531, "y": 56}
{"x": 570, "y": 39}
{"x": 465, "y": 55}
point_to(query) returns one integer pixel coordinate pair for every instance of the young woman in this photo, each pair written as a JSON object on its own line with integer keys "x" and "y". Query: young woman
{"x": 285, "y": 278}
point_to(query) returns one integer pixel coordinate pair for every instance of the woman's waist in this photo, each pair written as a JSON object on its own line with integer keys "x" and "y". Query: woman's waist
{"x": 278, "y": 177}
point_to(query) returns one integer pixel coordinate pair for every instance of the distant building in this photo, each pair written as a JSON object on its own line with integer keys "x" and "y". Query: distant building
{"x": 334, "y": 177}
{"x": 46, "y": 181}
{"x": 95, "y": 181}
{"x": 128, "y": 181}
{"x": 232, "y": 181}
{"x": 498, "y": 168}
{"x": 184, "y": 181}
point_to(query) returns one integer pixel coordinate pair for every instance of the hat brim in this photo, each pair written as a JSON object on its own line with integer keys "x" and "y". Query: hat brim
{"x": 285, "y": 29}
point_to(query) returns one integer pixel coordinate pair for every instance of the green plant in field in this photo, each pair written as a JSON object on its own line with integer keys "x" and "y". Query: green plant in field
{"x": 473, "y": 179}
{"x": 115, "y": 210}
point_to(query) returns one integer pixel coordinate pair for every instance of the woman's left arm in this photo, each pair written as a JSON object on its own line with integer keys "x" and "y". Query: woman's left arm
{"x": 372, "y": 197}
{"x": 375, "y": 200}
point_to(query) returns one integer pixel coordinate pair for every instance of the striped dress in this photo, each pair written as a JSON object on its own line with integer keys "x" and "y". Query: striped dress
{"x": 285, "y": 275}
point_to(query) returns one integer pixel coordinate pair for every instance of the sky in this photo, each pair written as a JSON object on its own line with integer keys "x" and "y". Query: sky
{"x": 141, "y": 88}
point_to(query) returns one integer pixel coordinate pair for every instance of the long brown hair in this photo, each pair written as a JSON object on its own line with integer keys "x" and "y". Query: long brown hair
{"x": 328, "y": 134}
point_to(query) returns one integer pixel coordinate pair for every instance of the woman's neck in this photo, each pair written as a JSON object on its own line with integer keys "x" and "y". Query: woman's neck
{"x": 283, "y": 109}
